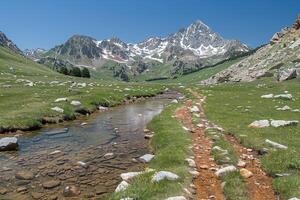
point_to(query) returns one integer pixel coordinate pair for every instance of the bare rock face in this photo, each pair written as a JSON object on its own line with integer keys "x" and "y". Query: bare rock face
{"x": 296, "y": 25}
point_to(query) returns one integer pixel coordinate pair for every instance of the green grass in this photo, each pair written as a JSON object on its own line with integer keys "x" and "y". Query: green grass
{"x": 22, "y": 107}
{"x": 235, "y": 188}
{"x": 170, "y": 144}
{"x": 235, "y": 106}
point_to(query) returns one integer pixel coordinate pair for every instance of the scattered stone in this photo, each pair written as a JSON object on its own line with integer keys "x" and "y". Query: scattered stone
{"x": 71, "y": 191}
{"x": 284, "y": 108}
{"x": 203, "y": 166}
{"x": 294, "y": 198}
{"x": 194, "y": 173}
{"x": 194, "y": 109}
{"x": 245, "y": 173}
{"x": 146, "y": 158}
{"x": 8, "y": 144}
{"x": 161, "y": 175}
{"x": 51, "y": 184}
{"x": 55, "y": 152}
{"x": 21, "y": 189}
{"x": 276, "y": 145}
{"x": 217, "y": 148}
{"x": 281, "y": 123}
{"x": 267, "y": 96}
{"x": 129, "y": 175}
{"x": 177, "y": 198}
{"x": 174, "y": 101}
{"x": 107, "y": 155}
{"x": 148, "y": 136}
{"x": 122, "y": 186}
{"x": 83, "y": 124}
{"x": 127, "y": 198}
{"x": 186, "y": 129}
{"x": 75, "y": 103}
{"x": 61, "y": 99}
{"x": 191, "y": 162}
{"x": 241, "y": 163}
{"x": 260, "y": 124}
{"x": 24, "y": 175}
{"x": 82, "y": 164}
{"x": 57, "y": 131}
{"x": 36, "y": 195}
{"x": 282, "y": 175}
{"x": 3, "y": 190}
{"x": 102, "y": 108}
{"x": 57, "y": 109}
{"x": 226, "y": 170}
{"x": 284, "y": 96}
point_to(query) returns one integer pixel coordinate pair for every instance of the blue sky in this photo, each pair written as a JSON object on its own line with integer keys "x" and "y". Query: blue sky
{"x": 46, "y": 23}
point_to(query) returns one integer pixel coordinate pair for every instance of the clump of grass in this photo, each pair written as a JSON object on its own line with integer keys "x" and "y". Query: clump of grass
{"x": 234, "y": 188}
{"x": 170, "y": 144}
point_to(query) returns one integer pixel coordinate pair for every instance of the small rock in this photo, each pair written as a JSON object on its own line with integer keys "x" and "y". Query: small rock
{"x": 57, "y": 109}
{"x": 267, "y": 96}
{"x": 55, "y": 152}
{"x": 21, "y": 189}
{"x": 146, "y": 158}
{"x": 36, "y": 195}
{"x": 260, "y": 124}
{"x": 226, "y": 170}
{"x": 108, "y": 155}
{"x": 194, "y": 109}
{"x": 75, "y": 103}
{"x": 61, "y": 99}
{"x": 24, "y": 175}
{"x": 161, "y": 175}
{"x": 284, "y": 96}
{"x": 122, "y": 186}
{"x": 82, "y": 164}
{"x": 174, "y": 101}
{"x": 276, "y": 145}
{"x": 148, "y": 136}
{"x": 203, "y": 166}
{"x": 245, "y": 173}
{"x": 3, "y": 190}
{"x": 71, "y": 191}
{"x": 191, "y": 162}
{"x": 194, "y": 173}
{"x": 83, "y": 124}
{"x": 284, "y": 108}
{"x": 177, "y": 198}
{"x": 129, "y": 175}
{"x": 241, "y": 163}
{"x": 51, "y": 184}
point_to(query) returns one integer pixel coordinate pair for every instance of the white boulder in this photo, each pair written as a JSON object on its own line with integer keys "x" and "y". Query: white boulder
{"x": 284, "y": 96}
{"x": 194, "y": 109}
{"x": 146, "y": 158}
{"x": 174, "y": 101}
{"x": 177, "y": 198}
{"x": 225, "y": 170}
{"x": 61, "y": 99}
{"x": 122, "y": 186}
{"x": 162, "y": 175}
{"x": 8, "y": 144}
{"x": 284, "y": 108}
{"x": 129, "y": 175}
{"x": 267, "y": 96}
{"x": 75, "y": 103}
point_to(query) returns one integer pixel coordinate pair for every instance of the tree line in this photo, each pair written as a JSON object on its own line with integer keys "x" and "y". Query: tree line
{"x": 75, "y": 71}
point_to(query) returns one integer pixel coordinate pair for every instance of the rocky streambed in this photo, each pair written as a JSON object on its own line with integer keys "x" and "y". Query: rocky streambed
{"x": 82, "y": 159}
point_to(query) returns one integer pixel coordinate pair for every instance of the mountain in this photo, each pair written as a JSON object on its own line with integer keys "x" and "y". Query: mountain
{"x": 185, "y": 51}
{"x": 34, "y": 54}
{"x": 279, "y": 58}
{"x": 5, "y": 42}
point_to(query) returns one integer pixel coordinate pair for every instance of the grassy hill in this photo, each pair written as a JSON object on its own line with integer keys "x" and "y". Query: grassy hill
{"x": 29, "y": 90}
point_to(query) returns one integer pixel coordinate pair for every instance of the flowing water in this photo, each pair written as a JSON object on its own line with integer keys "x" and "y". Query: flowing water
{"x": 109, "y": 144}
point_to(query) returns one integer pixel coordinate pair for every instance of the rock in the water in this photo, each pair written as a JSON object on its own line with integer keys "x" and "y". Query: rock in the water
{"x": 129, "y": 175}
{"x": 36, "y": 195}
{"x": 281, "y": 123}
{"x": 284, "y": 96}
{"x": 146, "y": 158}
{"x": 267, "y": 96}
{"x": 75, "y": 103}
{"x": 8, "y": 144}
{"x": 24, "y": 175}
{"x": 71, "y": 191}
{"x": 57, "y": 109}
{"x": 57, "y": 131}
{"x": 122, "y": 186}
{"x": 260, "y": 124}
{"x": 275, "y": 144}
{"x": 82, "y": 164}
{"x": 61, "y": 99}
{"x": 51, "y": 184}
{"x": 226, "y": 170}
{"x": 177, "y": 198}
{"x": 161, "y": 175}
{"x": 287, "y": 74}
{"x": 245, "y": 173}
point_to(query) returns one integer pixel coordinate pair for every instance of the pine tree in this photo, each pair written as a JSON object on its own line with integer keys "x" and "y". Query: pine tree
{"x": 75, "y": 71}
{"x": 85, "y": 73}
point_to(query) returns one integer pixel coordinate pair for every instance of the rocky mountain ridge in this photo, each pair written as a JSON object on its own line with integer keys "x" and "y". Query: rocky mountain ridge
{"x": 5, "y": 42}
{"x": 280, "y": 58}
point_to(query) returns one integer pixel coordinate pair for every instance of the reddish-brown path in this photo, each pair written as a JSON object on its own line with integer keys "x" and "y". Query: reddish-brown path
{"x": 208, "y": 186}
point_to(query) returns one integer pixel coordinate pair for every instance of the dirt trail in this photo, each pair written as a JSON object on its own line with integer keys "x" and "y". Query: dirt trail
{"x": 208, "y": 186}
